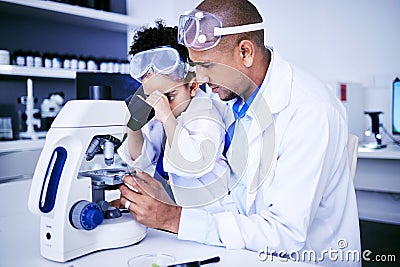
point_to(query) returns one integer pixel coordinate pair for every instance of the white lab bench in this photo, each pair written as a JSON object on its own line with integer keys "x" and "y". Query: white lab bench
{"x": 377, "y": 184}
{"x": 377, "y": 178}
{"x": 19, "y": 235}
{"x": 18, "y": 159}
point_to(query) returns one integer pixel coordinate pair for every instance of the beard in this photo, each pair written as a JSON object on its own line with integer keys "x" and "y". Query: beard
{"x": 223, "y": 93}
{"x": 228, "y": 96}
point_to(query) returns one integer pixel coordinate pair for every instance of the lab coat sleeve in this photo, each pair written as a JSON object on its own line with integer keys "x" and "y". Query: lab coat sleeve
{"x": 147, "y": 158}
{"x": 292, "y": 194}
{"x": 196, "y": 147}
{"x": 198, "y": 225}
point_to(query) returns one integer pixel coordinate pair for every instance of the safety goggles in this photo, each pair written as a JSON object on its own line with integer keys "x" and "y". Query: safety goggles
{"x": 200, "y": 30}
{"x": 161, "y": 60}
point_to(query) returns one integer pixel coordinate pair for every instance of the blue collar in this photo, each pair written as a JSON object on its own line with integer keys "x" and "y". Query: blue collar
{"x": 240, "y": 113}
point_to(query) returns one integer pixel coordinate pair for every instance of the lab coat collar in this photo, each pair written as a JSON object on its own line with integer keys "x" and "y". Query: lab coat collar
{"x": 275, "y": 90}
{"x": 278, "y": 86}
{"x": 260, "y": 119}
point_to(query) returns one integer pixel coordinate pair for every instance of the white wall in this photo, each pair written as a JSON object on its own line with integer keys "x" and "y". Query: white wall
{"x": 150, "y": 10}
{"x": 337, "y": 40}
{"x": 340, "y": 40}
{"x": 169, "y": 10}
{"x": 354, "y": 41}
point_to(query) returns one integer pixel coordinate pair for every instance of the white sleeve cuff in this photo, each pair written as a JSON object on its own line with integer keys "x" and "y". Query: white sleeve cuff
{"x": 229, "y": 230}
{"x": 194, "y": 224}
{"x": 198, "y": 225}
{"x": 219, "y": 229}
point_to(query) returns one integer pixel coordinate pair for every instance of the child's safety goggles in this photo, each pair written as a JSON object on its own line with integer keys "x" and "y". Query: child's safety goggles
{"x": 161, "y": 60}
{"x": 200, "y": 30}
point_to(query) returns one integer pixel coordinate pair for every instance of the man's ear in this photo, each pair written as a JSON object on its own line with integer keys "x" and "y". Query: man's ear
{"x": 246, "y": 48}
{"x": 193, "y": 87}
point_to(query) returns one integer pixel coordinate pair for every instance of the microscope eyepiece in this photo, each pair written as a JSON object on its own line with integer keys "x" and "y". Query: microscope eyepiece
{"x": 108, "y": 143}
{"x": 108, "y": 151}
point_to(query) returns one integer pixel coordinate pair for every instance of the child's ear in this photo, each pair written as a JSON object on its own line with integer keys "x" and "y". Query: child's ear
{"x": 193, "y": 87}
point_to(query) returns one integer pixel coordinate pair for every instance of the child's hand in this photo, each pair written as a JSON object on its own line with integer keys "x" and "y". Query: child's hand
{"x": 160, "y": 104}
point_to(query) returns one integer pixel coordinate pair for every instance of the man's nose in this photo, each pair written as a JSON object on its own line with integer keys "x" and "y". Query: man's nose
{"x": 202, "y": 75}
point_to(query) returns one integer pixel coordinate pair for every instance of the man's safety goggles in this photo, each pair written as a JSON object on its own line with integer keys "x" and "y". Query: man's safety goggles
{"x": 161, "y": 60}
{"x": 200, "y": 30}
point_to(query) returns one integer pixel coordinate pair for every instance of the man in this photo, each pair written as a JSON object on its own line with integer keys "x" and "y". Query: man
{"x": 300, "y": 199}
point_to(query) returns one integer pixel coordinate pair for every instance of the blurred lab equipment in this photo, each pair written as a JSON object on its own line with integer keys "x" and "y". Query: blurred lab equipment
{"x": 4, "y": 57}
{"x": 396, "y": 107}
{"x": 75, "y": 216}
{"x": 352, "y": 96}
{"x": 31, "y": 113}
{"x": 374, "y": 131}
{"x": 10, "y": 110}
{"x": 6, "y": 132}
{"x": 49, "y": 109}
{"x": 122, "y": 85}
{"x": 100, "y": 92}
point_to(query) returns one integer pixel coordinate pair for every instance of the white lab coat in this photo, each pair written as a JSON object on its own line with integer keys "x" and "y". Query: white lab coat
{"x": 197, "y": 170}
{"x": 307, "y": 200}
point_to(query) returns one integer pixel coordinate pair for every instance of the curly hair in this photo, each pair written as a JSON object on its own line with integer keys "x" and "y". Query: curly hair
{"x": 161, "y": 35}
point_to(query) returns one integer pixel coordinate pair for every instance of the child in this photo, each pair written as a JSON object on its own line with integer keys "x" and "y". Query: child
{"x": 184, "y": 142}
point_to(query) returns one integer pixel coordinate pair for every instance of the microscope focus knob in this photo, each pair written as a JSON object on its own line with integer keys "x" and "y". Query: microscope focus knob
{"x": 86, "y": 215}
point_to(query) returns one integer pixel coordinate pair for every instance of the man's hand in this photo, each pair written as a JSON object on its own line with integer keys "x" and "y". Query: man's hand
{"x": 151, "y": 205}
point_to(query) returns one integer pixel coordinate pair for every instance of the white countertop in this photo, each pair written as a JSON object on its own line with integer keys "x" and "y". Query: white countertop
{"x": 19, "y": 235}
{"x": 389, "y": 152}
{"x": 21, "y": 145}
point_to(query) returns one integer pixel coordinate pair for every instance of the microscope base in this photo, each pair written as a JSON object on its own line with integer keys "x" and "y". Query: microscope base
{"x": 374, "y": 146}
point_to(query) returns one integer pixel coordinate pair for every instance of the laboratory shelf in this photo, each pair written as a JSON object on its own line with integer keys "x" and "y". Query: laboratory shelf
{"x": 70, "y": 13}
{"x": 37, "y": 72}
{"x": 42, "y": 72}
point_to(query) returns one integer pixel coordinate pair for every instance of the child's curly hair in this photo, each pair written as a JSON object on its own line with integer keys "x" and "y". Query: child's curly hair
{"x": 161, "y": 35}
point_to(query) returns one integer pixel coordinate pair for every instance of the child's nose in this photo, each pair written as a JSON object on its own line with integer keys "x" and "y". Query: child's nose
{"x": 150, "y": 73}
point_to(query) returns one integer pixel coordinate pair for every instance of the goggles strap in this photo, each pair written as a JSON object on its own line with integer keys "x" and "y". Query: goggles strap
{"x": 238, "y": 29}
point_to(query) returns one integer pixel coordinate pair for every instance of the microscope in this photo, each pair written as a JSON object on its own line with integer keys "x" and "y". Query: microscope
{"x": 75, "y": 216}
{"x": 375, "y": 125}
{"x": 30, "y": 112}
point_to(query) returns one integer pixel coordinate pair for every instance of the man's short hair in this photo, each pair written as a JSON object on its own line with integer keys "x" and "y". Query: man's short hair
{"x": 234, "y": 13}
